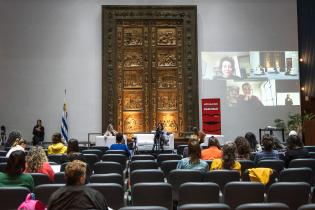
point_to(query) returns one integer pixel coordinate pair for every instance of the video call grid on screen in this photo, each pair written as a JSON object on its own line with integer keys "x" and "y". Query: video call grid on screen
{"x": 256, "y": 78}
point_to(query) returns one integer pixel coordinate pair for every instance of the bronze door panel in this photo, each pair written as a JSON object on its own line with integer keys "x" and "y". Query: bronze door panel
{"x": 150, "y": 68}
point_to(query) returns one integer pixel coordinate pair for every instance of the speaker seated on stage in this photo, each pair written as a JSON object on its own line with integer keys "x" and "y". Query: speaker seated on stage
{"x": 110, "y": 131}
{"x": 161, "y": 137}
{"x": 119, "y": 144}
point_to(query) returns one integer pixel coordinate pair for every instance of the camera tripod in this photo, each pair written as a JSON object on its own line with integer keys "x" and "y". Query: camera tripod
{"x": 134, "y": 146}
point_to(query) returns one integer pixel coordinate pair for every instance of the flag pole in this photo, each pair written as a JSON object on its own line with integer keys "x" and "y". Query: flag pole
{"x": 64, "y": 119}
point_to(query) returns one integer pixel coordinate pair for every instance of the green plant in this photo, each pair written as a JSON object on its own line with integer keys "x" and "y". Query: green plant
{"x": 295, "y": 122}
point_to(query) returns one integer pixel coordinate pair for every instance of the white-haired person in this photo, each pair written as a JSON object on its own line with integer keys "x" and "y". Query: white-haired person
{"x": 19, "y": 144}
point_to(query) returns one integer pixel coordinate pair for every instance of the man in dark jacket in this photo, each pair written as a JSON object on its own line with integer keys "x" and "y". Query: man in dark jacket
{"x": 75, "y": 195}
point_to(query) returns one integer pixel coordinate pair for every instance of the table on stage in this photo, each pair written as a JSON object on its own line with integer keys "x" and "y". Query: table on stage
{"x": 145, "y": 141}
{"x": 272, "y": 131}
{"x": 107, "y": 140}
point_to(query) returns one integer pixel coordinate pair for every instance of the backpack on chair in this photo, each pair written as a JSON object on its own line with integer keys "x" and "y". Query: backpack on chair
{"x": 31, "y": 204}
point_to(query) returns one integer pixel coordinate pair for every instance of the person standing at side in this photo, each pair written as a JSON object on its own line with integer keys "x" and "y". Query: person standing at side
{"x": 39, "y": 133}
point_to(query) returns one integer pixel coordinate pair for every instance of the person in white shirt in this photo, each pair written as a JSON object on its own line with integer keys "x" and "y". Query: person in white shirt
{"x": 110, "y": 131}
{"x": 19, "y": 144}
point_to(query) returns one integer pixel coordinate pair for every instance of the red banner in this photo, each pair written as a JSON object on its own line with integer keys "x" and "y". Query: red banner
{"x": 211, "y": 116}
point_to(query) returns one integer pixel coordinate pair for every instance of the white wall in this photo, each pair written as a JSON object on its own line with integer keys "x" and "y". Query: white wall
{"x": 47, "y": 46}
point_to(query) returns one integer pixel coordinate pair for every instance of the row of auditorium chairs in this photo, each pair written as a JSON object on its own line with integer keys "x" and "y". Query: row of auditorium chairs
{"x": 116, "y": 163}
{"x": 277, "y": 165}
{"x": 11, "y": 197}
{"x": 160, "y": 158}
{"x": 235, "y": 194}
{"x": 293, "y": 195}
{"x": 178, "y": 177}
{"x": 221, "y": 206}
{"x": 306, "y": 174}
{"x": 180, "y": 149}
{"x": 81, "y": 148}
{"x": 96, "y": 155}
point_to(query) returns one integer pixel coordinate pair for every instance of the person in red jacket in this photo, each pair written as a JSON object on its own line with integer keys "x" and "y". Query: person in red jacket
{"x": 37, "y": 162}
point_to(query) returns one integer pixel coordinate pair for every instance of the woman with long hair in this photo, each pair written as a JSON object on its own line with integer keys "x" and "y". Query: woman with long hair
{"x": 228, "y": 160}
{"x": 243, "y": 148}
{"x": 193, "y": 160}
{"x": 251, "y": 138}
{"x": 295, "y": 149}
{"x": 73, "y": 150}
{"x": 37, "y": 162}
{"x": 14, "y": 176}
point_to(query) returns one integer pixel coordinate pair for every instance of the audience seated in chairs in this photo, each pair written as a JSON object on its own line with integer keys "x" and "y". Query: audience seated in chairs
{"x": 57, "y": 146}
{"x": 75, "y": 195}
{"x": 193, "y": 161}
{"x": 37, "y": 162}
{"x": 268, "y": 152}
{"x": 228, "y": 160}
{"x": 213, "y": 151}
{"x": 19, "y": 144}
{"x": 14, "y": 175}
{"x": 243, "y": 148}
{"x": 120, "y": 145}
{"x": 295, "y": 149}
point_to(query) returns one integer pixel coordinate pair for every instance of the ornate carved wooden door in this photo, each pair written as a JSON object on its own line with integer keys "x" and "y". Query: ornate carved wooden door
{"x": 145, "y": 79}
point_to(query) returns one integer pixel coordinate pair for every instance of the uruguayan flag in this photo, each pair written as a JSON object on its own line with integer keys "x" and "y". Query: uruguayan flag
{"x": 64, "y": 123}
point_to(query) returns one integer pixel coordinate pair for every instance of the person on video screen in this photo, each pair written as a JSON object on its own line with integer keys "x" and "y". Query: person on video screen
{"x": 247, "y": 97}
{"x": 288, "y": 100}
{"x": 233, "y": 95}
{"x": 227, "y": 67}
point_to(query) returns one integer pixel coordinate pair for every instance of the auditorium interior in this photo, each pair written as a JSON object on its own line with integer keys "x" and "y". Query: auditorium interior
{"x": 182, "y": 104}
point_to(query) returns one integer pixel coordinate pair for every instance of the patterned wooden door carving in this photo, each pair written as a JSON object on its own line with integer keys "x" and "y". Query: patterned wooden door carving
{"x": 146, "y": 77}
